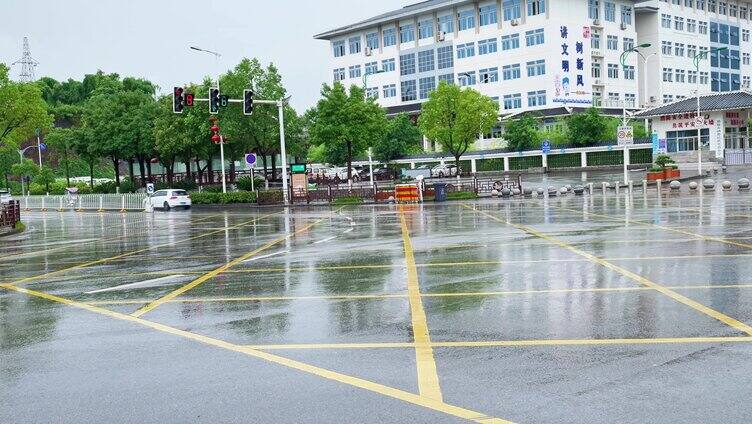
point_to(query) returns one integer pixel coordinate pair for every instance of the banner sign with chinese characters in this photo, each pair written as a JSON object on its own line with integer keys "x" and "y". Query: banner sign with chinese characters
{"x": 572, "y": 84}
{"x": 688, "y": 121}
{"x": 735, "y": 119}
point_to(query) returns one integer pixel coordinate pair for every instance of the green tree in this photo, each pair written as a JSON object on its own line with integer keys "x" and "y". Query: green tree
{"x": 402, "y": 138}
{"x": 62, "y": 140}
{"x": 22, "y": 110}
{"x": 346, "y": 123}
{"x": 454, "y": 117}
{"x": 588, "y": 128}
{"x": 522, "y": 133}
{"x": 27, "y": 169}
{"x": 8, "y": 157}
{"x": 45, "y": 176}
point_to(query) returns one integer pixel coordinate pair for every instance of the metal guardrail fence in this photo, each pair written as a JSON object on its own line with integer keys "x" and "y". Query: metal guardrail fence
{"x": 86, "y": 202}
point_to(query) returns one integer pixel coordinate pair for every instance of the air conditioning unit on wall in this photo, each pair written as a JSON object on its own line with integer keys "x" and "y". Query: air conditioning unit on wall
{"x": 515, "y": 22}
{"x": 368, "y": 51}
{"x": 596, "y": 22}
{"x": 623, "y": 26}
{"x": 441, "y": 36}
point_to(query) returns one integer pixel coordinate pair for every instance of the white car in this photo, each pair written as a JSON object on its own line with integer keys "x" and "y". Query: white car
{"x": 170, "y": 198}
{"x": 445, "y": 170}
{"x": 5, "y": 197}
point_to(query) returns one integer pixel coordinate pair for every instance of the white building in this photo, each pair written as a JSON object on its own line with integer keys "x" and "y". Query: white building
{"x": 544, "y": 55}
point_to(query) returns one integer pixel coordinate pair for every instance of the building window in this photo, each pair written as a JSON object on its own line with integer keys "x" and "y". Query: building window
{"x": 732, "y": 10}
{"x": 626, "y": 15}
{"x": 445, "y": 57}
{"x": 595, "y": 41}
{"x": 354, "y": 45}
{"x": 511, "y": 9}
{"x": 390, "y": 37}
{"x": 666, "y": 21}
{"x": 447, "y": 78}
{"x": 509, "y": 42}
{"x": 745, "y": 58}
{"x": 536, "y": 67}
{"x": 466, "y": 19}
{"x": 536, "y": 7}
{"x": 593, "y": 9}
{"x": 680, "y": 75}
{"x": 339, "y": 74}
{"x": 595, "y": 70}
{"x": 734, "y": 36}
{"x": 613, "y": 70}
{"x": 487, "y": 15}
{"x": 371, "y": 68}
{"x": 425, "y": 29}
{"x": 745, "y": 35}
{"x": 678, "y": 23}
{"x": 701, "y": 4}
{"x": 612, "y": 42}
{"x": 668, "y": 74}
{"x": 711, "y": 6}
{"x": 746, "y": 81}
{"x": 467, "y": 78}
{"x": 691, "y": 50}
{"x": 426, "y": 61}
{"x": 389, "y": 91}
{"x": 487, "y": 46}
{"x": 408, "y": 90}
{"x": 743, "y": 12}
{"x": 536, "y": 98}
{"x": 628, "y": 43}
{"x": 511, "y": 71}
{"x": 407, "y": 64}
{"x": 446, "y": 23}
{"x": 613, "y": 98}
{"x": 734, "y": 59}
{"x": 704, "y": 78}
{"x": 668, "y": 98}
{"x": 355, "y": 71}
{"x": 426, "y": 86}
{"x": 679, "y": 50}
{"x": 372, "y": 40}
{"x": 534, "y": 37}
{"x": 691, "y": 25}
{"x": 339, "y": 48}
{"x": 630, "y": 99}
{"x": 689, "y": 3}
{"x": 666, "y": 48}
{"x": 702, "y": 27}
{"x": 387, "y": 65}
{"x": 512, "y": 101}
{"x": 372, "y": 92}
{"x": 488, "y": 75}
{"x": 692, "y": 77}
{"x": 465, "y": 50}
{"x": 610, "y": 13}
{"x": 407, "y": 33}
{"x": 722, "y": 8}
{"x": 629, "y": 72}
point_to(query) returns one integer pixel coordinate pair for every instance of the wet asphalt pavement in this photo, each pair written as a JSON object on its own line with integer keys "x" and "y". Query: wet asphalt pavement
{"x": 563, "y": 310}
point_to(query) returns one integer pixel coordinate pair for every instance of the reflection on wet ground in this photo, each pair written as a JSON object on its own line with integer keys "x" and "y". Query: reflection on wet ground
{"x": 569, "y": 309}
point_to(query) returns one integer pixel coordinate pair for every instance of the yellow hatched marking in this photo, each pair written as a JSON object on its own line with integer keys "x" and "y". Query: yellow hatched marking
{"x": 638, "y": 278}
{"x": 290, "y": 363}
{"x": 428, "y": 378}
{"x": 211, "y": 274}
{"x": 404, "y": 295}
{"x": 133, "y": 252}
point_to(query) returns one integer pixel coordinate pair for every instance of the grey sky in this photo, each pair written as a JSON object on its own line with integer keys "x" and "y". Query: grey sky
{"x": 150, "y": 39}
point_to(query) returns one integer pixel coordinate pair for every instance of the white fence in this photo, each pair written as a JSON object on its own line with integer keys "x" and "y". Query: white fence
{"x": 86, "y": 202}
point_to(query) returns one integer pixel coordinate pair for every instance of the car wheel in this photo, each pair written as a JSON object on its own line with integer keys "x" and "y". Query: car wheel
{"x": 166, "y": 206}
{"x": 187, "y": 207}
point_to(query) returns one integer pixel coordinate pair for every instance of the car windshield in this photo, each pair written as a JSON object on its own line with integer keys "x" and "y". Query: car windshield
{"x": 179, "y": 193}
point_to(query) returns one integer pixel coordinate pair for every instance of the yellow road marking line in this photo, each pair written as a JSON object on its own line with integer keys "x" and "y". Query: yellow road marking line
{"x": 290, "y": 363}
{"x": 428, "y": 378}
{"x": 638, "y": 278}
{"x": 506, "y": 343}
{"x": 211, "y": 274}
{"x": 663, "y": 227}
{"x": 423, "y": 295}
{"x": 133, "y": 252}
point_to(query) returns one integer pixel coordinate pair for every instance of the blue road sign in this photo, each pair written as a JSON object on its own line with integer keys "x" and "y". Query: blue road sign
{"x": 42, "y": 146}
{"x": 546, "y": 146}
{"x": 656, "y": 146}
{"x": 250, "y": 159}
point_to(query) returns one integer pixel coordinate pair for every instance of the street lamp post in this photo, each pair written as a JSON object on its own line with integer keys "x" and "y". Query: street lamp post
{"x": 624, "y": 120}
{"x": 696, "y": 60}
{"x": 21, "y": 157}
{"x": 222, "y": 140}
{"x": 366, "y": 75}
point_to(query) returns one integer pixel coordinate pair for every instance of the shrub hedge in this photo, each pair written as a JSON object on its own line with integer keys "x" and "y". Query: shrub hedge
{"x": 208, "y": 198}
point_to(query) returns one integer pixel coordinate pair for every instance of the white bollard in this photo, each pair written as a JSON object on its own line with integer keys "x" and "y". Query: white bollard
{"x": 43, "y": 208}
{"x": 60, "y": 209}
{"x": 616, "y": 187}
{"x": 122, "y": 203}
{"x": 101, "y": 201}
{"x": 644, "y": 186}
{"x": 590, "y": 187}
{"x": 658, "y": 184}
{"x": 603, "y": 184}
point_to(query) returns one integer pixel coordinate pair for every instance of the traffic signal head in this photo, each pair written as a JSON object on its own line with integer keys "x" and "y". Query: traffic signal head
{"x": 178, "y": 100}
{"x": 214, "y": 101}
{"x": 248, "y": 102}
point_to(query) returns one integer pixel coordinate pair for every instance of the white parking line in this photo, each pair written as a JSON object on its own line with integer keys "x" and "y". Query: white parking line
{"x": 266, "y": 256}
{"x": 325, "y": 240}
{"x": 138, "y": 284}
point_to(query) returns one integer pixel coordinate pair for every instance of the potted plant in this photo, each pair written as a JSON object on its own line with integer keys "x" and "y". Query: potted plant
{"x": 655, "y": 173}
{"x": 667, "y": 166}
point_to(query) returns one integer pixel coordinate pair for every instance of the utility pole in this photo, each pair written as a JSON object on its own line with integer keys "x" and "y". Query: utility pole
{"x": 698, "y": 57}
{"x": 624, "y": 120}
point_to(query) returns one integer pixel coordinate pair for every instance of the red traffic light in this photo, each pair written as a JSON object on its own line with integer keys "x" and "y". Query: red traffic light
{"x": 189, "y": 99}
{"x": 215, "y": 128}
{"x": 215, "y": 138}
